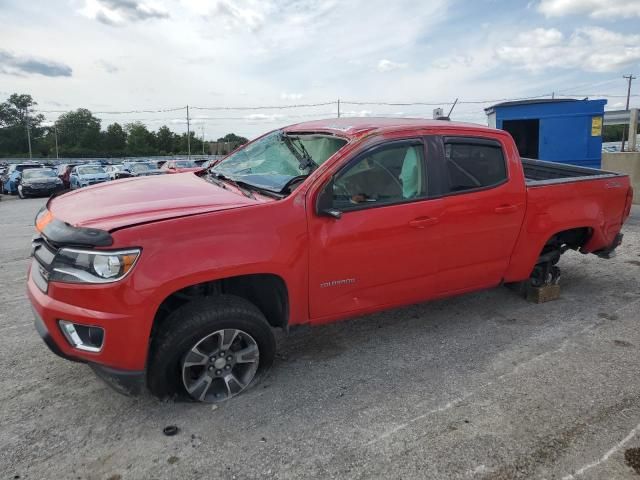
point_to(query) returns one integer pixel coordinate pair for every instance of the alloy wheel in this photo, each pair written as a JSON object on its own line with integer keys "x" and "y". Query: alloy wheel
{"x": 220, "y": 365}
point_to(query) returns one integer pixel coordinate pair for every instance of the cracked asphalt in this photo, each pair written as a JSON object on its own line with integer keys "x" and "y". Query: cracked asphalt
{"x": 482, "y": 386}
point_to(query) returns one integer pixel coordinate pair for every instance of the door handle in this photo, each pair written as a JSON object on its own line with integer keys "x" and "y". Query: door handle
{"x": 423, "y": 222}
{"x": 506, "y": 209}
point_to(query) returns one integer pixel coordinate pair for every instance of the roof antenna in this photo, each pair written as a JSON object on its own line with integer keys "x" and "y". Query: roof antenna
{"x": 452, "y": 107}
{"x": 448, "y": 116}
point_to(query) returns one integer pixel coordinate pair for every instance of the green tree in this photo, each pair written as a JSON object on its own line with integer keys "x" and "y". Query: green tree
{"x": 233, "y": 138}
{"x": 166, "y": 140}
{"x": 614, "y": 133}
{"x": 115, "y": 139}
{"x": 79, "y": 132}
{"x": 140, "y": 140}
{"x": 16, "y": 115}
{"x": 195, "y": 143}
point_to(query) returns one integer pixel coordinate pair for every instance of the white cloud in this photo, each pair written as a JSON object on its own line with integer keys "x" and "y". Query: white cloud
{"x": 243, "y": 53}
{"x": 236, "y": 15}
{"x": 594, "y": 8}
{"x": 385, "y": 65}
{"x": 452, "y": 60}
{"x": 356, "y": 113}
{"x": 592, "y": 49}
{"x": 290, "y": 96}
{"x": 118, "y": 12}
{"x": 264, "y": 117}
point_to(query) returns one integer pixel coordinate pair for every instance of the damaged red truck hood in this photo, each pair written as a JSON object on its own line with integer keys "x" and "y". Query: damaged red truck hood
{"x": 113, "y": 205}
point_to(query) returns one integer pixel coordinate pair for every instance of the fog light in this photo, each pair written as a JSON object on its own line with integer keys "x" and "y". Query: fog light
{"x": 82, "y": 337}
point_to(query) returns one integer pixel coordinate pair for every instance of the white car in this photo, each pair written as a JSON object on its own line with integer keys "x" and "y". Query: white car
{"x": 116, "y": 171}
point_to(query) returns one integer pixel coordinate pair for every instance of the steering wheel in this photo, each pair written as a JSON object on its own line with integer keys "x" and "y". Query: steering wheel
{"x": 394, "y": 179}
{"x": 341, "y": 190}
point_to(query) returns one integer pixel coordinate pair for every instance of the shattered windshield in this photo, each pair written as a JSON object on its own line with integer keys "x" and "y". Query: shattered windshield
{"x": 273, "y": 160}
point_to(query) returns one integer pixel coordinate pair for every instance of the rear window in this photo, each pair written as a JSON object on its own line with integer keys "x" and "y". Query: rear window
{"x": 474, "y": 165}
{"x": 38, "y": 173}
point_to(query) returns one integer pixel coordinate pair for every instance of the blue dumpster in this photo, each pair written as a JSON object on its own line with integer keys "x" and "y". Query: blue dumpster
{"x": 556, "y": 130}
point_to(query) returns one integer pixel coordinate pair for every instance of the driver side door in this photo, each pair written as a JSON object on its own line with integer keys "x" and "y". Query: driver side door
{"x": 380, "y": 246}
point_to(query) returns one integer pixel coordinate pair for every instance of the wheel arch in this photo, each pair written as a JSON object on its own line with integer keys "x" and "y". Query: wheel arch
{"x": 528, "y": 255}
{"x": 573, "y": 238}
{"x": 267, "y": 291}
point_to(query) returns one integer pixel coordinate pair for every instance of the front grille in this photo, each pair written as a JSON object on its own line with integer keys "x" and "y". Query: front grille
{"x": 43, "y": 252}
{"x": 43, "y": 256}
{"x": 38, "y": 275}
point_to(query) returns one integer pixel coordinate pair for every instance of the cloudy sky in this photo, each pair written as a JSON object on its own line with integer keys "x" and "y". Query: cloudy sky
{"x": 123, "y": 55}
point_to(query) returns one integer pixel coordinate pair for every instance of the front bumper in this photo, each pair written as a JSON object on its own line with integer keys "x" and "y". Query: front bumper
{"x": 41, "y": 191}
{"x": 127, "y": 382}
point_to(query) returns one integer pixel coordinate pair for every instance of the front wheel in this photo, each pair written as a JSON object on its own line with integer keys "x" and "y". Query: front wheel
{"x": 211, "y": 350}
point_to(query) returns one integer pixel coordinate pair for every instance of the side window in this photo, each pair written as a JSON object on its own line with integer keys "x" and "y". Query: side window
{"x": 386, "y": 175}
{"x": 473, "y": 165}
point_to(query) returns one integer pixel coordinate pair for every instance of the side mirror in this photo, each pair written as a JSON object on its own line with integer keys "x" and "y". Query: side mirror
{"x": 324, "y": 203}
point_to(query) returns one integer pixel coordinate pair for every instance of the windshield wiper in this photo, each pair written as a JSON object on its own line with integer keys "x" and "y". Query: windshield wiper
{"x": 304, "y": 159}
{"x": 245, "y": 191}
{"x": 214, "y": 180}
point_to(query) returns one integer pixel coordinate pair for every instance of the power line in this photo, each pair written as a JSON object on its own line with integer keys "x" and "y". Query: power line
{"x": 339, "y": 103}
{"x": 124, "y": 112}
{"x": 269, "y": 107}
{"x": 206, "y": 119}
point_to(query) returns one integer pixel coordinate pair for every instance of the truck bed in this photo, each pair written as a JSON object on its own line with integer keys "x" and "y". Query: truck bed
{"x": 539, "y": 172}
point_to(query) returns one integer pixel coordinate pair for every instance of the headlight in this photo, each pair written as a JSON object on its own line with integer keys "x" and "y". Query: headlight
{"x": 92, "y": 266}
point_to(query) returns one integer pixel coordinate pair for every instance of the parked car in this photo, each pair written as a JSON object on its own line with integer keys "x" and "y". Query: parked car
{"x": 85, "y": 175}
{"x": 211, "y": 162}
{"x": 116, "y": 171}
{"x": 178, "y": 285}
{"x": 179, "y": 166}
{"x": 64, "y": 170}
{"x": 10, "y": 181}
{"x": 38, "y": 182}
{"x": 141, "y": 169}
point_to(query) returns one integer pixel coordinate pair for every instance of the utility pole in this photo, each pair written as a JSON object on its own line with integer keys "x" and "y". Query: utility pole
{"x": 629, "y": 78}
{"x": 203, "y": 139}
{"x": 338, "y": 108}
{"x": 55, "y": 129}
{"x": 188, "y": 135}
{"x": 26, "y": 118}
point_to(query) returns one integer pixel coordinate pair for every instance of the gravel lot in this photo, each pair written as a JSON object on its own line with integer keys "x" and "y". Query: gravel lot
{"x": 483, "y": 386}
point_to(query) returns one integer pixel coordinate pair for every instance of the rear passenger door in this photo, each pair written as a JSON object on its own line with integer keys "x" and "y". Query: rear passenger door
{"x": 483, "y": 209}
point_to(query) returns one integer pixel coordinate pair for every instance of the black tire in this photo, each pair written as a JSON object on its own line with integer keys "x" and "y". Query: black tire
{"x": 188, "y": 325}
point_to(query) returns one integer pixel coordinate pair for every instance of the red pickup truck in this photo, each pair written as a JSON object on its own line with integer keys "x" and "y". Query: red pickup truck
{"x": 176, "y": 281}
